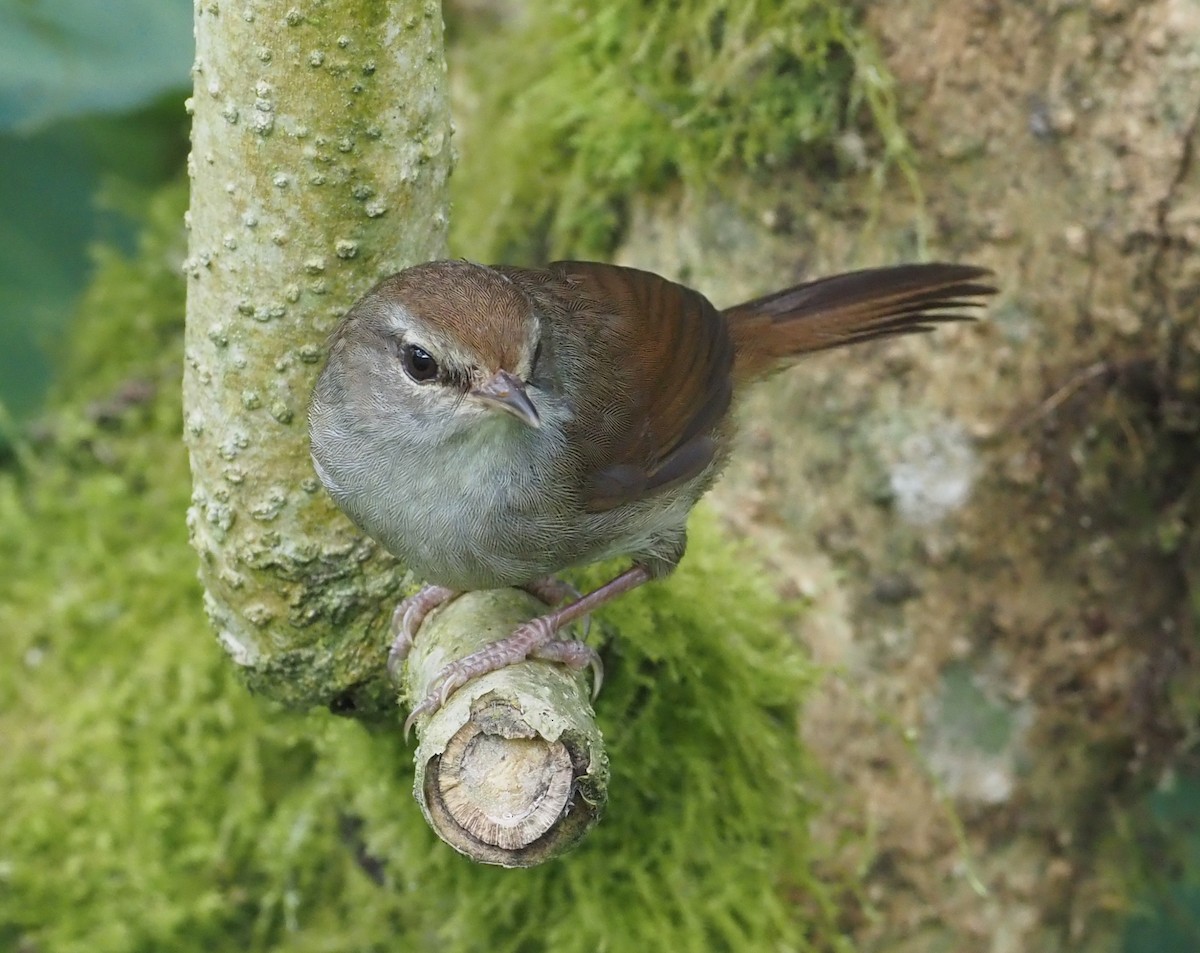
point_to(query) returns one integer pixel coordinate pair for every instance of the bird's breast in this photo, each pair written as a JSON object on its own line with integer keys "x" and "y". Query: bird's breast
{"x": 487, "y": 509}
{"x": 491, "y": 506}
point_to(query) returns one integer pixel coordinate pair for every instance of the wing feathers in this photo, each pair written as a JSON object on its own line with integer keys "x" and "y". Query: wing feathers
{"x": 660, "y": 379}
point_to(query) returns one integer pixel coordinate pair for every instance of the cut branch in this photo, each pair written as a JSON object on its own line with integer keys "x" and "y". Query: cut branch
{"x": 512, "y": 769}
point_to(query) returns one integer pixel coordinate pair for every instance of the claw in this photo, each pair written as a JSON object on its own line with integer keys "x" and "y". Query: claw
{"x": 424, "y": 708}
{"x": 407, "y": 619}
{"x": 574, "y": 655}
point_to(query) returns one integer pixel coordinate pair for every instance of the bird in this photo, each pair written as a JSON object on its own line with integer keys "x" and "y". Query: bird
{"x": 492, "y": 426}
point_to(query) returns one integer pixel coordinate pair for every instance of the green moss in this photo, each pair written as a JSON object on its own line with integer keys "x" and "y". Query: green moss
{"x": 576, "y": 106}
{"x": 134, "y": 774}
{"x": 151, "y": 803}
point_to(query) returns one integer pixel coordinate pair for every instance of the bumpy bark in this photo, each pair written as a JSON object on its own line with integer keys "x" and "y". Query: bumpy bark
{"x": 320, "y": 152}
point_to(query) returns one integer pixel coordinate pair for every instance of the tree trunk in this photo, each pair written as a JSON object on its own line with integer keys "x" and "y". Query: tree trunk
{"x": 321, "y": 149}
{"x": 320, "y": 153}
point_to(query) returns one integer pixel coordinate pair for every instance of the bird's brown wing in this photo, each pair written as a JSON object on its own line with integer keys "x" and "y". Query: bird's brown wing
{"x": 652, "y": 362}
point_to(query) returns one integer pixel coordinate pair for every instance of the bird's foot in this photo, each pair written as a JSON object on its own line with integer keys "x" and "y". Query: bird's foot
{"x": 533, "y": 639}
{"x": 411, "y": 612}
{"x": 407, "y": 619}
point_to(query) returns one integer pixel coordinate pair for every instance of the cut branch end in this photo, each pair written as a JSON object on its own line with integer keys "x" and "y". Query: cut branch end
{"x": 512, "y": 770}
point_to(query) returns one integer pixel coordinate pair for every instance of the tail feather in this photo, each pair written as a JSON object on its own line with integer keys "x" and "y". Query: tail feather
{"x": 771, "y": 331}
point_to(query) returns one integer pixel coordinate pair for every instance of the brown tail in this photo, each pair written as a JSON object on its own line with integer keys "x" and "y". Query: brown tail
{"x": 770, "y": 332}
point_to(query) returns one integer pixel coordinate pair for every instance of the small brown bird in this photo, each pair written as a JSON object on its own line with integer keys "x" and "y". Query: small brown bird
{"x": 491, "y": 426}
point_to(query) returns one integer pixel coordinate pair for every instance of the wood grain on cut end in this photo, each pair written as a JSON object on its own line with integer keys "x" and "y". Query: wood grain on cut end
{"x": 503, "y": 791}
{"x": 512, "y": 770}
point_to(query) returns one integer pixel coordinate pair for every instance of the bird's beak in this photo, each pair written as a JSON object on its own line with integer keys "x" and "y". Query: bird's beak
{"x": 506, "y": 392}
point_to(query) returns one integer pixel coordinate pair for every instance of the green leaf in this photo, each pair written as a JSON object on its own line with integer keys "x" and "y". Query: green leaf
{"x": 61, "y": 58}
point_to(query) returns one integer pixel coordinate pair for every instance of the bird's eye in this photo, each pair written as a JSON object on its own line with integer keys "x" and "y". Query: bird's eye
{"x": 419, "y": 364}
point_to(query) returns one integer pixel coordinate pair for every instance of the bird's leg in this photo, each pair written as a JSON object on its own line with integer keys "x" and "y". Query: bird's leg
{"x": 554, "y": 592}
{"x": 407, "y": 619}
{"x": 532, "y": 639}
{"x": 551, "y": 590}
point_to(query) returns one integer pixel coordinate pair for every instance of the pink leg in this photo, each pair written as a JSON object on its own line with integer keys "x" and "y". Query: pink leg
{"x": 554, "y": 592}
{"x": 411, "y": 612}
{"x": 533, "y": 639}
{"x": 551, "y": 590}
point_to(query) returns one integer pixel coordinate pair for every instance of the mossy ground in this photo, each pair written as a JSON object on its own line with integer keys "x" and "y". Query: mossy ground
{"x": 575, "y": 107}
{"x": 151, "y": 803}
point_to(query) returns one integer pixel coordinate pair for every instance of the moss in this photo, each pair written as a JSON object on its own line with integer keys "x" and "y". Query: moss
{"x": 151, "y": 803}
{"x": 130, "y": 323}
{"x": 138, "y": 778}
{"x": 576, "y": 106}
